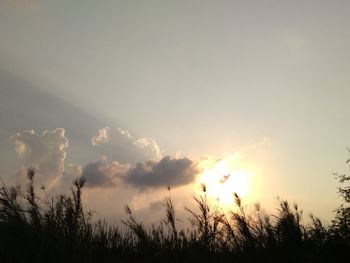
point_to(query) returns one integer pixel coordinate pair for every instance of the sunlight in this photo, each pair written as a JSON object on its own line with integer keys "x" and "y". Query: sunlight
{"x": 224, "y": 177}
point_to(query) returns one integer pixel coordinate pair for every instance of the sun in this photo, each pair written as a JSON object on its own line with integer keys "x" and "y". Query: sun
{"x": 223, "y": 178}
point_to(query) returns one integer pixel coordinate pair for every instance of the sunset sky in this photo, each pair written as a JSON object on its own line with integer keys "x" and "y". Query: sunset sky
{"x": 246, "y": 96}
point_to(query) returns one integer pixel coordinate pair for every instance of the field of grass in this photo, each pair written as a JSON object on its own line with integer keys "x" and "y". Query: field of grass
{"x": 58, "y": 229}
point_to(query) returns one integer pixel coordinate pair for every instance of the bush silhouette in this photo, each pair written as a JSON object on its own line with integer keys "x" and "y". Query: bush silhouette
{"x": 58, "y": 229}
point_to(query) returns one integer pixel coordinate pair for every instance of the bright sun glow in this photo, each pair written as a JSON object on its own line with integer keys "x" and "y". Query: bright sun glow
{"x": 224, "y": 177}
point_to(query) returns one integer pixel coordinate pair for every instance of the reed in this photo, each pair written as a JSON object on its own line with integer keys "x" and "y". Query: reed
{"x": 58, "y": 229}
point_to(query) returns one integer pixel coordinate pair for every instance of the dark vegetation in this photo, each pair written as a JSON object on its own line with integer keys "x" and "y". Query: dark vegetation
{"x": 34, "y": 229}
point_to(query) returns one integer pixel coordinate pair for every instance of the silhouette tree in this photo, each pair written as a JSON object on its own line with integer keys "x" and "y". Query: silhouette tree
{"x": 341, "y": 223}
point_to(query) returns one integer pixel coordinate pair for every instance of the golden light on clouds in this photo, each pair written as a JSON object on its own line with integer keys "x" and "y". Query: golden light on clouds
{"x": 224, "y": 177}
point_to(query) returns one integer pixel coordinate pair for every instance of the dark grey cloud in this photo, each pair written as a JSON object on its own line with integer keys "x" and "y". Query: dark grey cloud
{"x": 166, "y": 172}
{"x": 102, "y": 174}
{"x": 148, "y": 175}
{"x": 96, "y": 175}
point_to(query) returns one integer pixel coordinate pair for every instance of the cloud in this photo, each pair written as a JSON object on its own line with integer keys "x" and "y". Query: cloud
{"x": 119, "y": 144}
{"x": 102, "y": 174}
{"x": 46, "y": 151}
{"x": 129, "y": 160}
{"x": 102, "y": 137}
{"x": 166, "y": 172}
{"x": 65, "y": 181}
{"x": 150, "y": 174}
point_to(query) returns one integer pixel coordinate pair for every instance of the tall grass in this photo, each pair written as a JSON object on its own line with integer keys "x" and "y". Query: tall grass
{"x": 58, "y": 229}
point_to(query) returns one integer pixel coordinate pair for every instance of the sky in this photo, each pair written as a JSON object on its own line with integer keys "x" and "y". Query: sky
{"x": 139, "y": 95}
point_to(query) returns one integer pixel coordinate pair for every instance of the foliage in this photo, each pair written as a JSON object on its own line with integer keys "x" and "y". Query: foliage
{"x": 37, "y": 229}
{"x": 341, "y": 223}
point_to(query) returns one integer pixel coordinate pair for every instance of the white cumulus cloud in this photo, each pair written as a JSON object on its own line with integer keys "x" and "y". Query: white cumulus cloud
{"x": 46, "y": 151}
{"x": 118, "y": 144}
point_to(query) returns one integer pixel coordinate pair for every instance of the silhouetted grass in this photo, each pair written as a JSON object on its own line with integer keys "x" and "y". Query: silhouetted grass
{"x": 58, "y": 229}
